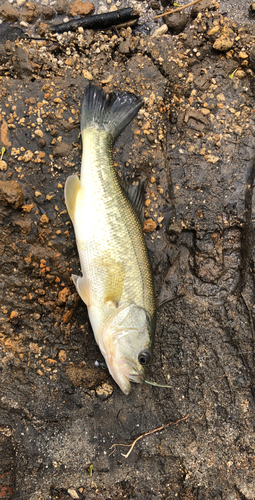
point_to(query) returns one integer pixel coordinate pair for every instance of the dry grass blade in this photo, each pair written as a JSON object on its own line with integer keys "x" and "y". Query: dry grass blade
{"x": 146, "y": 434}
{"x": 167, "y": 13}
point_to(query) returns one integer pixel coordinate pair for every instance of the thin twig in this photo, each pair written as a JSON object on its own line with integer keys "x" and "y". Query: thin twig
{"x": 147, "y": 434}
{"x": 98, "y": 21}
{"x": 167, "y": 13}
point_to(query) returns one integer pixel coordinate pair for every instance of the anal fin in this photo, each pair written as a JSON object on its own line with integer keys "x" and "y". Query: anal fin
{"x": 72, "y": 187}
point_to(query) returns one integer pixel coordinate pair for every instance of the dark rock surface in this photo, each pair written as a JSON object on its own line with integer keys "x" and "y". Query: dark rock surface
{"x": 11, "y": 194}
{"x": 193, "y": 143}
{"x": 30, "y": 12}
{"x": 176, "y": 22}
{"x": 8, "y": 12}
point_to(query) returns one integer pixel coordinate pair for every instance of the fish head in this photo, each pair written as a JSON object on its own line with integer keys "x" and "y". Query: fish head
{"x": 126, "y": 344}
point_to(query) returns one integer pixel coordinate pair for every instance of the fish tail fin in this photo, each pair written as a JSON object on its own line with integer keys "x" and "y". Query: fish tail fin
{"x": 109, "y": 112}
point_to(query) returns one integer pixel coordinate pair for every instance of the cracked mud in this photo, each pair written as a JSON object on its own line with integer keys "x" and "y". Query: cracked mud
{"x": 193, "y": 144}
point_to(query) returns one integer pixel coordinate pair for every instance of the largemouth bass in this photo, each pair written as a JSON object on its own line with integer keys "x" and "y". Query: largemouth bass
{"x": 116, "y": 282}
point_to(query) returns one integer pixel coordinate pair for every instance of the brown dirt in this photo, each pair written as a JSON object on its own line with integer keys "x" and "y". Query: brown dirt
{"x": 193, "y": 143}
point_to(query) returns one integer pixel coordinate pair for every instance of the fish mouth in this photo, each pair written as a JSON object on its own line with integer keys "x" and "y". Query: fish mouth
{"x": 124, "y": 372}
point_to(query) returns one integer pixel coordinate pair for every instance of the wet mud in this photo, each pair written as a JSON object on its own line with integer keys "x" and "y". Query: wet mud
{"x": 193, "y": 144}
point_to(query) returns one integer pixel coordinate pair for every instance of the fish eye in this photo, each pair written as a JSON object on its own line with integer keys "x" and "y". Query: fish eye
{"x": 144, "y": 357}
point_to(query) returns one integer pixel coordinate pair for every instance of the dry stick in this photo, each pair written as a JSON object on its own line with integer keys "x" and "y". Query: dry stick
{"x": 147, "y": 434}
{"x": 176, "y": 10}
{"x": 98, "y": 21}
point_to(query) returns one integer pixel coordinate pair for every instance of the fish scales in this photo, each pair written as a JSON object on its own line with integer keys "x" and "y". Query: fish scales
{"x": 117, "y": 284}
{"x": 113, "y": 231}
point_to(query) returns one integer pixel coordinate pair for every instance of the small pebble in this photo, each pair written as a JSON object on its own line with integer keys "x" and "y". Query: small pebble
{"x": 240, "y": 74}
{"x": 162, "y": 30}
{"x": 44, "y": 219}
{"x": 3, "y": 165}
{"x": 73, "y": 493}
{"x": 104, "y": 391}
{"x": 62, "y": 356}
{"x": 87, "y": 74}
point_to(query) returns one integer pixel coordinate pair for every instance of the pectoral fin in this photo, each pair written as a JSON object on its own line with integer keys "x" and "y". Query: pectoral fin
{"x": 72, "y": 187}
{"x": 83, "y": 288}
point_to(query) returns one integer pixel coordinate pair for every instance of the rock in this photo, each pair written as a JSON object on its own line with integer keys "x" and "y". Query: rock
{"x": 3, "y": 165}
{"x": 4, "y": 134}
{"x": 39, "y": 133}
{"x": 155, "y": 5}
{"x": 78, "y": 8}
{"x": 61, "y": 150}
{"x": 149, "y": 225}
{"x": 28, "y": 155}
{"x": 44, "y": 219}
{"x": 243, "y": 55}
{"x": 42, "y": 142}
{"x": 176, "y": 22}
{"x": 225, "y": 41}
{"x": 27, "y": 208}
{"x": 62, "y": 356}
{"x": 9, "y": 13}
{"x": 24, "y": 225}
{"x": 203, "y": 5}
{"x": 14, "y": 315}
{"x": 48, "y": 12}
{"x": 63, "y": 295}
{"x": 62, "y": 6}
{"x": 70, "y": 61}
{"x": 87, "y": 74}
{"x": 11, "y": 194}
{"x": 124, "y": 47}
{"x": 43, "y": 28}
{"x": 82, "y": 375}
{"x": 212, "y": 158}
{"x": 240, "y": 74}
{"x": 73, "y": 493}
{"x": 104, "y": 391}
{"x": 21, "y": 62}
{"x": 30, "y": 13}
{"x": 162, "y": 30}
{"x": 214, "y": 30}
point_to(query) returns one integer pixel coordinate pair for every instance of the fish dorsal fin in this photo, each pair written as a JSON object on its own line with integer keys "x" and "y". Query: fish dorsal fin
{"x": 135, "y": 194}
{"x": 72, "y": 187}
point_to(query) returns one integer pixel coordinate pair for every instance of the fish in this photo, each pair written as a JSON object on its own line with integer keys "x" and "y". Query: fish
{"x": 116, "y": 283}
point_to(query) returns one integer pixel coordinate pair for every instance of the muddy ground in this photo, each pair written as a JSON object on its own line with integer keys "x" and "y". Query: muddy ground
{"x": 193, "y": 143}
